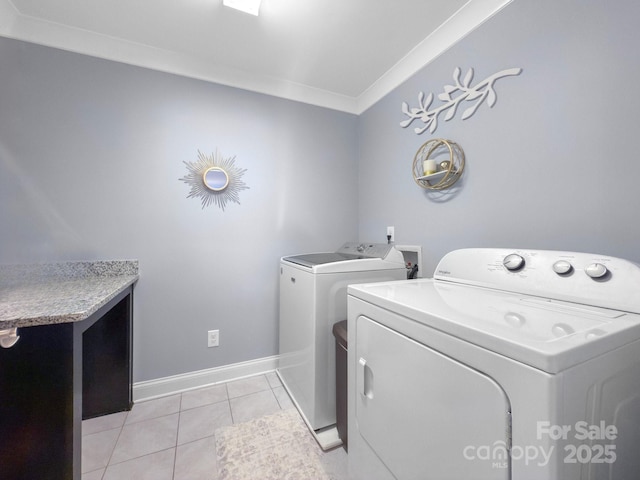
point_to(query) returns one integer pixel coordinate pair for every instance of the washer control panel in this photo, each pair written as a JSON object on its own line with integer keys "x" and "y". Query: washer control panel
{"x": 369, "y": 250}
{"x": 585, "y": 278}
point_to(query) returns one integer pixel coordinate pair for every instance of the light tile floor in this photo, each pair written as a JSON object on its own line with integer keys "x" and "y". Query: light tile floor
{"x": 172, "y": 437}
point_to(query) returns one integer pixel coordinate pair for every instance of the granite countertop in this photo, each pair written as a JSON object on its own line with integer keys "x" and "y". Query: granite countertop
{"x": 44, "y": 294}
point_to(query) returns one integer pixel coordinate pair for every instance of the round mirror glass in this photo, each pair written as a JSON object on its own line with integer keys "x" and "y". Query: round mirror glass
{"x": 216, "y": 179}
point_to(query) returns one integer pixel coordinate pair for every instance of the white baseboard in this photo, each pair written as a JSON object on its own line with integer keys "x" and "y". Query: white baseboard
{"x": 161, "y": 387}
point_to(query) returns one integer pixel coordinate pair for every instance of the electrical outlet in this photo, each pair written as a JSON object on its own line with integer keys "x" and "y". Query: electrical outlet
{"x": 213, "y": 338}
{"x": 391, "y": 234}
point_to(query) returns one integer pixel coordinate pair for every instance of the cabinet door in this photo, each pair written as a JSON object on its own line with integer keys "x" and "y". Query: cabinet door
{"x": 426, "y": 415}
{"x": 37, "y": 407}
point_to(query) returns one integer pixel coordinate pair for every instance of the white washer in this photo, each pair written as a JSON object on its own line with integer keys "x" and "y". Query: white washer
{"x": 508, "y": 364}
{"x": 313, "y": 297}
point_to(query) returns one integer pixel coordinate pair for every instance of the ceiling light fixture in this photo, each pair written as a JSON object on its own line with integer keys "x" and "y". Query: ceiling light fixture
{"x": 248, "y": 6}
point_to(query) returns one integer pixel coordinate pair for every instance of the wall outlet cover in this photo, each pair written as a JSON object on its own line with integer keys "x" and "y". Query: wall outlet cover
{"x": 213, "y": 338}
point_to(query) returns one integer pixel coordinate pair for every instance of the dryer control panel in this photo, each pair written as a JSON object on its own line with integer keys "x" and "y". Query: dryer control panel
{"x": 584, "y": 278}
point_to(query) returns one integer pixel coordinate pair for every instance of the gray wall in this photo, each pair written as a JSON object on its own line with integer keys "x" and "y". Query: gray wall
{"x": 553, "y": 165}
{"x": 91, "y": 152}
{"x": 90, "y": 156}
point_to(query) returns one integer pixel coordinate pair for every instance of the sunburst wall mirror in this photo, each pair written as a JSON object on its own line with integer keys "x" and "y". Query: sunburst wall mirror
{"x": 215, "y": 179}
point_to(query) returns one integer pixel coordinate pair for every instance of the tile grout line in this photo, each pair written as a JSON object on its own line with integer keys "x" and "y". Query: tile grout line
{"x": 124, "y": 421}
{"x": 229, "y": 403}
{"x": 175, "y": 450}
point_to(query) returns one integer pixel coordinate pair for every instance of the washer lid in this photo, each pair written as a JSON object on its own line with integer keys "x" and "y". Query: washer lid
{"x": 550, "y": 335}
{"x": 351, "y": 257}
{"x": 313, "y": 259}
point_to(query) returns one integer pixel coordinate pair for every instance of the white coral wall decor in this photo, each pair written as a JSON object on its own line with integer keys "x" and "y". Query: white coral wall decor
{"x": 477, "y": 95}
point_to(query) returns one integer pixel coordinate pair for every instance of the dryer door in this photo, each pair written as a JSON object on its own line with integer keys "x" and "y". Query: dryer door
{"x": 426, "y": 415}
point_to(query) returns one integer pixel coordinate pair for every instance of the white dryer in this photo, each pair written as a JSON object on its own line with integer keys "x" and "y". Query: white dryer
{"x": 508, "y": 364}
{"x": 313, "y": 297}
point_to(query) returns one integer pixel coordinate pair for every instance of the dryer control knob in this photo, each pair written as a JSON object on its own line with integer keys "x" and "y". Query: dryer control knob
{"x": 562, "y": 267}
{"x": 513, "y": 262}
{"x": 596, "y": 270}
{"x": 360, "y": 247}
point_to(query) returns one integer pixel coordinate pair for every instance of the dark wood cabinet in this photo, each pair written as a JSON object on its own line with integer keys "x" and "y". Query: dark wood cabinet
{"x": 55, "y": 376}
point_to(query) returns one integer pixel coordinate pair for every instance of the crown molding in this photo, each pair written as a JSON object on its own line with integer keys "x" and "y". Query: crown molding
{"x": 33, "y": 30}
{"x": 459, "y": 25}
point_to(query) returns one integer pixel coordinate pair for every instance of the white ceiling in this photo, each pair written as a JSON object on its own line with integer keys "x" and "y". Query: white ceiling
{"x": 341, "y": 54}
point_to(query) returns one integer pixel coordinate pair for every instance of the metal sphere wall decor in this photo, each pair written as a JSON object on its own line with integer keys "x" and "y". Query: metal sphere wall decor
{"x": 214, "y": 179}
